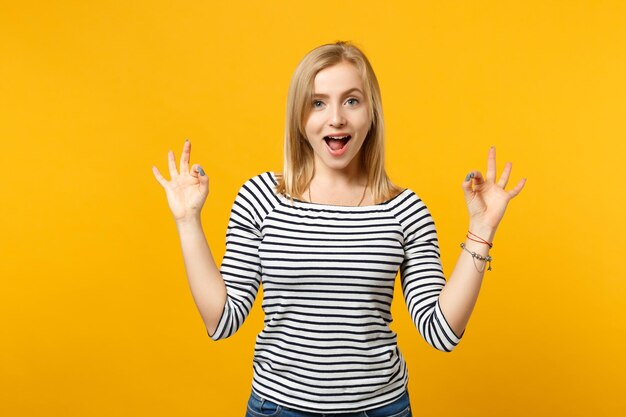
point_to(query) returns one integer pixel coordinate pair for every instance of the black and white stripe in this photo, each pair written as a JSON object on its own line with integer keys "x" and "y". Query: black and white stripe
{"x": 328, "y": 277}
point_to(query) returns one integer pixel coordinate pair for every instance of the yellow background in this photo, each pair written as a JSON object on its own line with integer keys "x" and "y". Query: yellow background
{"x": 97, "y": 316}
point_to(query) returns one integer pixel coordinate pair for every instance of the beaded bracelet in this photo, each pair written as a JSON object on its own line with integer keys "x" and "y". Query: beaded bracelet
{"x": 478, "y": 256}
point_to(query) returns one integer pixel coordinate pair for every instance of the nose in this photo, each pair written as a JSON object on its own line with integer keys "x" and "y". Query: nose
{"x": 337, "y": 118}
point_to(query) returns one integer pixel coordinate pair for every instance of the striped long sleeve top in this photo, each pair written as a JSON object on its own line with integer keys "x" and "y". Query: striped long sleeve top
{"x": 328, "y": 277}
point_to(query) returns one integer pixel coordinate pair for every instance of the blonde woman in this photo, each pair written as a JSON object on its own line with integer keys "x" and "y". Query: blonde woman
{"x": 326, "y": 239}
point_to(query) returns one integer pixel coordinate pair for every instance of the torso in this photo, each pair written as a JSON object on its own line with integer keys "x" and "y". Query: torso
{"x": 328, "y": 274}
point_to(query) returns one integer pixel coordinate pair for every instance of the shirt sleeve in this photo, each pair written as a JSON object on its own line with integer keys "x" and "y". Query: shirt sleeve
{"x": 421, "y": 276}
{"x": 241, "y": 265}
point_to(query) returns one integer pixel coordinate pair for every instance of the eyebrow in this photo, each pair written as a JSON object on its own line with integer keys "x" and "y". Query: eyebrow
{"x": 344, "y": 93}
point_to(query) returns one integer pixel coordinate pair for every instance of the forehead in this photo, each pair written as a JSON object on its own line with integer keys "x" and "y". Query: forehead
{"x": 337, "y": 79}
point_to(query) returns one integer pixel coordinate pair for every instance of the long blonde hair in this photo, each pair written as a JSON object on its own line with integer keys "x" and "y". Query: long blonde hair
{"x": 299, "y": 163}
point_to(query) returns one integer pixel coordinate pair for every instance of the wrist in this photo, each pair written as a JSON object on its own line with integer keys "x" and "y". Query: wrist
{"x": 483, "y": 232}
{"x": 191, "y": 221}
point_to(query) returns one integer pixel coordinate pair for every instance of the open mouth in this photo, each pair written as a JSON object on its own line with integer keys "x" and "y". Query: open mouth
{"x": 336, "y": 143}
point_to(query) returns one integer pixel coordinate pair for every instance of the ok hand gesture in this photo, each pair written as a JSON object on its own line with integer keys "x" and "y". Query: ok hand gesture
{"x": 487, "y": 200}
{"x": 186, "y": 192}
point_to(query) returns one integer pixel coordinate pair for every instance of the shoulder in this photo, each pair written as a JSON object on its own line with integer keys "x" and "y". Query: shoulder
{"x": 414, "y": 217}
{"x": 263, "y": 180}
{"x": 408, "y": 207}
{"x": 401, "y": 197}
{"x": 259, "y": 191}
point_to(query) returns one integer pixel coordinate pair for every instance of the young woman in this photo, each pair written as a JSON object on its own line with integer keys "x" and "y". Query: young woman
{"x": 326, "y": 239}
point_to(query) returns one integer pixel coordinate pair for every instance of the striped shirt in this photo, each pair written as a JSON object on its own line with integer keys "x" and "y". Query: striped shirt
{"x": 328, "y": 275}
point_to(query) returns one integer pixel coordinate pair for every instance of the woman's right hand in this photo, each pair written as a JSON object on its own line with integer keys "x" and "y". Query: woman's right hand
{"x": 186, "y": 192}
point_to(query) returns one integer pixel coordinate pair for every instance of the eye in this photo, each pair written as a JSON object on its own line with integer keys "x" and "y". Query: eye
{"x": 315, "y": 102}
{"x": 353, "y": 99}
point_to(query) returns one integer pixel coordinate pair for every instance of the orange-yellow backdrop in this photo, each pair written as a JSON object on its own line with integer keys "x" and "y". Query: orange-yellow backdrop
{"x": 98, "y": 319}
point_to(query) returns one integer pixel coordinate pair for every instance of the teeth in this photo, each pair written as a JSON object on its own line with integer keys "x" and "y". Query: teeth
{"x": 338, "y": 137}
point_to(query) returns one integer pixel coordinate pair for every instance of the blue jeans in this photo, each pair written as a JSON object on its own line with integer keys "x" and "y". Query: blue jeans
{"x": 259, "y": 407}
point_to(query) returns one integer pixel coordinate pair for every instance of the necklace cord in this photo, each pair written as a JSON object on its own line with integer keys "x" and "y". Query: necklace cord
{"x": 360, "y": 201}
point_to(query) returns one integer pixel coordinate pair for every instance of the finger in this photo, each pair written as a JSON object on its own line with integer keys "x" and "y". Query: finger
{"x": 198, "y": 172}
{"x": 172, "y": 164}
{"x": 467, "y": 186}
{"x": 478, "y": 178}
{"x": 518, "y": 188}
{"x": 504, "y": 178}
{"x": 159, "y": 177}
{"x": 491, "y": 164}
{"x": 184, "y": 158}
{"x": 195, "y": 171}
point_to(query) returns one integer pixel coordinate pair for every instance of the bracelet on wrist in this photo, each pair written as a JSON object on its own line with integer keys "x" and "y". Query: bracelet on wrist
{"x": 479, "y": 257}
{"x": 481, "y": 240}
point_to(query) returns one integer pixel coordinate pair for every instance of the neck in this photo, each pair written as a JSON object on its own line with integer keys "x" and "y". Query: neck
{"x": 351, "y": 176}
{"x": 359, "y": 203}
{"x": 338, "y": 186}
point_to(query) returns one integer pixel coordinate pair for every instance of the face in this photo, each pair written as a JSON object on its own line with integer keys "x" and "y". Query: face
{"x": 339, "y": 109}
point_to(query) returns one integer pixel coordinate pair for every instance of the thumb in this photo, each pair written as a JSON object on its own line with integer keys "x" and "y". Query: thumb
{"x": 198, "y": 172}
{"x": 467, "y": 185}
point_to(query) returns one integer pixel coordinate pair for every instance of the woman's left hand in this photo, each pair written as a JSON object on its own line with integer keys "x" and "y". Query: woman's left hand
{"x": 487, "y": 199}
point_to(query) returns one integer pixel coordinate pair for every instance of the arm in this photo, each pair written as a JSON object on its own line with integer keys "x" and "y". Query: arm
{"x": 205, "y": 280}
{"x": 241, "y": 266}
{"x": 458, "y": 297}
{"x": 421, "y": 275}
{"x": 486, "y": 203}
{"x": 223, "y": 297}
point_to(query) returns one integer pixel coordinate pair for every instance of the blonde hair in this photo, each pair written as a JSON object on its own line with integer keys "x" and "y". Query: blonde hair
{"x": 299, "y": 165}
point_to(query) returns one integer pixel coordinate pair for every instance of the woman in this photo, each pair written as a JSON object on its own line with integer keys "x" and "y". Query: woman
{"x": 326, "y": 240}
